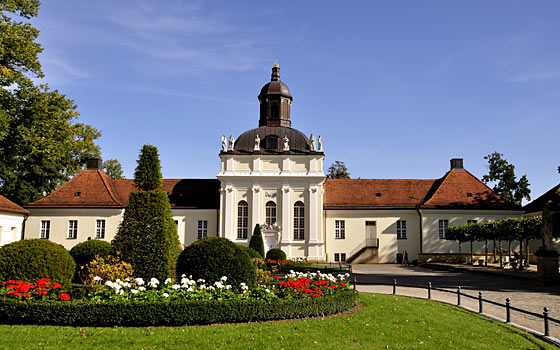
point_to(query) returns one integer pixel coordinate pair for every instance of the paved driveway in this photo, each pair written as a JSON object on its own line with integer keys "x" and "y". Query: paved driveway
{"x": 523, "y": 294}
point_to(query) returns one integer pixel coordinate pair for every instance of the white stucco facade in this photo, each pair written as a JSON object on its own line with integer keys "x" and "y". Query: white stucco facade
{"x": 284, "y": 180}
{"x": 10, "y": 227}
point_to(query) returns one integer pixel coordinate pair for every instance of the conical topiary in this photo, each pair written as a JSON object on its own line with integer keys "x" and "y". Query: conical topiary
{"x": 147, "y": 237}
{"x": 256, "y": 241}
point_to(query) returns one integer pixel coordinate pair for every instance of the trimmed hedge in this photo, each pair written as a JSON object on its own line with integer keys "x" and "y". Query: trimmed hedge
{"x": 33, "y": 259}
{"x": 213, "y": 257}
{"x": 256, "y": 241}
{"x": 172, "y": 313}
{"x": 276, "y": 254}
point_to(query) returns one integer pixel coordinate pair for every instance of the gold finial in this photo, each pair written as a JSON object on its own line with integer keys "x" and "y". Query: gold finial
{"x": 276, "y": 64}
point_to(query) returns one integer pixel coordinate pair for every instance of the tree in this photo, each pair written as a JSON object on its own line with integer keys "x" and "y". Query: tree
{"x": 256, "y": 241}
{"x": 41, "y": 145}
{"x": 506, "y": 184}
{"x": 338, "y": 170}
{"x": 113, "y": 169}
{"x": 147, "y": 237}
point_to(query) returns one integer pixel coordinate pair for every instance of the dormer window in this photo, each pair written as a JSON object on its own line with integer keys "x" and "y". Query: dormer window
{"x": 77, "y": 194}
{"x": 469, "y": 194}
{"x": 272, "y": 142}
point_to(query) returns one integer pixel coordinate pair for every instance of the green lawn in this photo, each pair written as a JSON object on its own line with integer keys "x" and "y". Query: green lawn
{"x": 386, "y": 322}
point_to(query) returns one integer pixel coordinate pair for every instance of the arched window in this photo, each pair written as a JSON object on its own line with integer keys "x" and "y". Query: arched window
{"x": 272, "y": 142}
{"x": 299, "y": 221}
{"x": 271, "y": 213}
{"x": 242, "y": 220}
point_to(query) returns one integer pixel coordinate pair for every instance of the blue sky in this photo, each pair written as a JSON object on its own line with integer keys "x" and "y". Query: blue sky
{"x": 395, "y": 88}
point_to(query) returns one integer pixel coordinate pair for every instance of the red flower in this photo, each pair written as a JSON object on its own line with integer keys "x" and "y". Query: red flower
{"x": 343, "y": 284}
{"x": 56, "y": 286}
{"x": 63, "y": 296}
{"x": 26, "y": 295}
{"x": 333, "y": 286}
{"x": 277, "y": 278}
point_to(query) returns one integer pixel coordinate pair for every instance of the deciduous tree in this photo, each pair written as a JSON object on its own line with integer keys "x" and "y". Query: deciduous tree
{"x": 113, "y": 169}
{"x": 41, "y": 144}
{"x": 502, "y": 174}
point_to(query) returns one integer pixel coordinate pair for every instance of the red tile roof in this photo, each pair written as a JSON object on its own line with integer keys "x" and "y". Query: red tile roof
{"x": 550, "y": 197}
{"x": 94, "y": 189}
{"x": 374, "y": 194}
{"x": 7, "y": 205}
{"x": 457, "y": 189}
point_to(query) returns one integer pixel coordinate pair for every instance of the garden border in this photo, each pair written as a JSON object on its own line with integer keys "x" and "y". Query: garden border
{"x": 171, "y": 313}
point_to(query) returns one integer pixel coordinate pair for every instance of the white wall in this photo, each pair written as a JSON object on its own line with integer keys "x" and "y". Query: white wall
{"x": 10, "y": 227}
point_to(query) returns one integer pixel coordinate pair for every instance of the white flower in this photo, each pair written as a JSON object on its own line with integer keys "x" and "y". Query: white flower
{"x": 165, "y": 295}
{"x": 139, "y": 281}
{"x": 133, "y": 291}
{"x": 228, "y": 287}
{"x": 142, "y": 289}
{"x": 167, "y": 281}
{"x": 176, "y": 286}
{"x": 121, "y": 292}
{"x": 202, "y": 286}
{"x": 153, "y": 283}
{"x": 190, "y": 289}
{"x": 224, "y": 278}
{"x": 97, "y": 278}
{"x": 109, "y": 284}
{"x": 200, "y": 280}
{"x": 118, "y": 280}
{"x": 219, "y": 285}
{"x": 183, "y": 276}
{"x": 210, "y": 288}
{"x": 267, "y": 290}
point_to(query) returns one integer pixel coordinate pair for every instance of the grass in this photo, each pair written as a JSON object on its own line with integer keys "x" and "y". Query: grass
{"x": 386, "y": 322}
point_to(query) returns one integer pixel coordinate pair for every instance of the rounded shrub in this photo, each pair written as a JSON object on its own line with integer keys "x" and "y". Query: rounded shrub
{"x": 83, "y": 253}
{"x": 33, "y": 259}
{"x": 253, "y": 254}
{"x": 276, "y": 254}
{"x": 214, "y": 257}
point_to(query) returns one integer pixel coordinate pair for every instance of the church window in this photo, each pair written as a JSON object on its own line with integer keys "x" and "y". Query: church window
{"x": 339, "y": 229}
{"x": 242, "y": 220}
{"x": 270, "y": 213}
{"x": 299, "y": 221}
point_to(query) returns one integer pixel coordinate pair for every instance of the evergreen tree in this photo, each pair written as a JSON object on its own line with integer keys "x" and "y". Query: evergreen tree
{"x": 147, "y": 237}
{"x": 338, "y": 170}
{"x": 256, "y": 241}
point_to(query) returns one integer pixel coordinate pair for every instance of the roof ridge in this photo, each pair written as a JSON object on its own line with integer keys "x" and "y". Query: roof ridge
{"x": 108, "y": 186}
{"x": 435, "y": 187}
{"x": 488, "y": 187}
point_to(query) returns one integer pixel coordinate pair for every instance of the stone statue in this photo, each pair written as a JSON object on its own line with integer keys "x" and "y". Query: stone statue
{"x": 320, "y": 144}
{"x": 313, "y": 145}
{"x": 286, "y": 143}
{"x": 257, "y": 144}
{"x": 224, "y": 145}
{"x": 231, "y": 142}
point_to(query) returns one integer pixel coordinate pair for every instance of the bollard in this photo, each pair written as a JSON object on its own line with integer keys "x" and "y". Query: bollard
{"x": 458, "y": 296}
{"x": 394, "y": 286}
{"x": 546, "y": 329}
{"x": 508, "y": 311}
{"x": 479, "y": 302}
{"x": 354, "y": 283}
{"x": 429, "y": 290}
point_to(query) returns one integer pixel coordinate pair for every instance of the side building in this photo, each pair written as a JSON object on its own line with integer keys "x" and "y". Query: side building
{"x": 12, "y": 221}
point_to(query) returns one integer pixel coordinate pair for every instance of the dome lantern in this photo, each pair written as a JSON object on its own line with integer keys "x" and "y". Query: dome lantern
{"x": 275, "y": 101}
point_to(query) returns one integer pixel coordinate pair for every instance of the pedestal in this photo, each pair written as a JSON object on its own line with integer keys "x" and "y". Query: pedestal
{"x": 547, "y": 266}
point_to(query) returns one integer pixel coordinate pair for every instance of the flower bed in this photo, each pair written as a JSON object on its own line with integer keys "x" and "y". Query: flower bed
{"x": 139, "y": 303}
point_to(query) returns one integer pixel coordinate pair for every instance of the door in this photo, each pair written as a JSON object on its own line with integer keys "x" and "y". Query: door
{"x": 371, "y": 234}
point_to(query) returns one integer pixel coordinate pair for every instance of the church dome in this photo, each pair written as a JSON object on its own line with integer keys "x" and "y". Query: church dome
{"x": 275, "y": 87}
{"x": 272, "y": 141}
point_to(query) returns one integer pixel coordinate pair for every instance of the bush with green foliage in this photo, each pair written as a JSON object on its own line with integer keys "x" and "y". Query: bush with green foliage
{"x": 147, "y": 237}
{"x": 253, "y": 254}
{"x": 256, "y": 241}
{"x": 213, "y": 257}
{"x": 83, "y": 253}
{"x": 171, "y": 313}
{"x": 276, "y": 254}
{"x": 34, "y": 259}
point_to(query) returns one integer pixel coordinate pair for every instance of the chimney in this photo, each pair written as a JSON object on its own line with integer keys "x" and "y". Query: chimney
{"x": 94, "y": 164}
{"x": 457, "y": 163}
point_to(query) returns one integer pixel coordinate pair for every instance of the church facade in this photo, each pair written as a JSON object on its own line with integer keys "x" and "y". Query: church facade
{"x": 273, "y": 176}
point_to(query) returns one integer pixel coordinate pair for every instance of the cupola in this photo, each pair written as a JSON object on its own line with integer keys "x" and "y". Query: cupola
{"x": 275, "y": 101}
